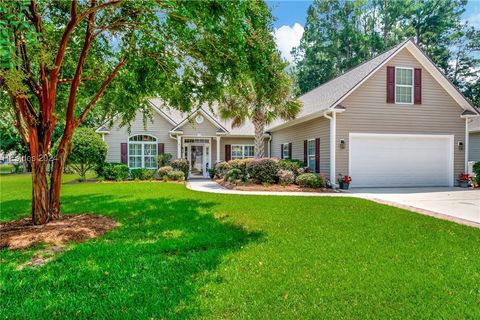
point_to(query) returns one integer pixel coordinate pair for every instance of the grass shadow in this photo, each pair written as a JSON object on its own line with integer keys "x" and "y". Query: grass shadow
{"x": 155, "y": 265}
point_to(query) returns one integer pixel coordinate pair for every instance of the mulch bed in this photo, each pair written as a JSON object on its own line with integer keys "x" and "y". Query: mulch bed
{"x": 248, "y": 186}
{"x": 21, "y": 234}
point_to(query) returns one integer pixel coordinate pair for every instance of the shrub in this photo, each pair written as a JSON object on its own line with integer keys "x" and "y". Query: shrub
{"x": 234, "y": 175}
{"x": 476, "y": 169}
{"x": 113, "y": 171}
{"x": 291, "y": 165}
{"x": 263, "y": 170}
{"x": 212, "y": 172}
{"x": 304, "y": 170}
{"x": 309, "y": 180}
{"x": 88, "y": 150}
{"x": 180, "y": 165}
{"x": 176, "y": 175}
{"x": 164, "y": 159}
{"x": 222, "y": 168}
{"x": 240, "y": 164}
{"x": 285, "y": 177}
{"x": 142, "y": 174}
{"x": 163, "y": 171}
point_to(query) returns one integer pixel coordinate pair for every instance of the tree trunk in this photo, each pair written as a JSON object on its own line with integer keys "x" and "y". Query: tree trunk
{"x": 56, "y": 176}
{"x": 40, "y": 214}
{"x": 259, "y": 124}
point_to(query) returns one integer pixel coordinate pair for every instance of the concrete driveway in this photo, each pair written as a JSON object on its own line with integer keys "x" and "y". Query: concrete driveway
{"x": 456, "y": 204}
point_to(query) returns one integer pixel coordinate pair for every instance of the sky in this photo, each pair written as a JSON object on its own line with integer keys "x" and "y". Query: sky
{"x": 291, "y": 15}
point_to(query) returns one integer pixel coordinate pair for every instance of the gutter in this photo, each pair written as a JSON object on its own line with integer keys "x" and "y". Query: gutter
{"x": 333, "y": 131}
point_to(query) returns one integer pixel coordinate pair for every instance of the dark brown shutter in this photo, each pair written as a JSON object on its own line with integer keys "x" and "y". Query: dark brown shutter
{"x": 290, "y": 151}
{"x": 418, "y": 86}
{"x": 123, "y": 153}
{"x": 305, "y": 152}
{"x": 161, "y": 148}
{"x": 281, "y": 151}
{"x": 228, "y": 152}
{"x": 317, "y": 155}
{"x": 390, "y": 84}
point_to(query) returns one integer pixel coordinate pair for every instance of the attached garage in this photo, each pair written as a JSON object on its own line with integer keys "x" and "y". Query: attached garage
{"x": 401, "y": 160}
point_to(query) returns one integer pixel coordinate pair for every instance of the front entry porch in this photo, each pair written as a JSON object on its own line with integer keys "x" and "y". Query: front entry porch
{"x": 198, "y": 153}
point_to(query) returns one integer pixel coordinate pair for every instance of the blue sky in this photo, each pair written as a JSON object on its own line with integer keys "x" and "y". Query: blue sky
{"x": 290, "y": 20}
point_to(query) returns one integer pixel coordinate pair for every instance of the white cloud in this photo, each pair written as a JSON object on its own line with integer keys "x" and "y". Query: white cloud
{"x": 287, "y": 38}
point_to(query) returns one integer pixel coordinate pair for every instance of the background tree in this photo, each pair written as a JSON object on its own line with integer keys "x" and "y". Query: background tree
{"x": 87, "y": 151}
{"x": 263, "y": 90}
{"x": 341, "y": 34}
{"x": 59, "y": 58}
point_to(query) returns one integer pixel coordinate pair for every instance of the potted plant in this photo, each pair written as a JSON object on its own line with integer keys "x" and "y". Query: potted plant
{"x": 344, "y": 181}
{"x": 464, "y": 180}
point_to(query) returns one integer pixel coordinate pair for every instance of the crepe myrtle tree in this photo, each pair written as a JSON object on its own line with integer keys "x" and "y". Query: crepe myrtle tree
{"x": 61, "y": 60}
{"x": 263, "y": 91}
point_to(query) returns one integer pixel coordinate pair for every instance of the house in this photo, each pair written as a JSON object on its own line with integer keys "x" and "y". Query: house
{"x": 393, "y": 121}
{"x": 199, "y": 136}
{"x": 474, "y": 140}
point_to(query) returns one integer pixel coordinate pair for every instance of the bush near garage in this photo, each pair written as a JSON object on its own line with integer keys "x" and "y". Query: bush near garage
{"x": 310, "y": 180}
{"x": 291, "y": 165}
{"x": 285, "y": 177}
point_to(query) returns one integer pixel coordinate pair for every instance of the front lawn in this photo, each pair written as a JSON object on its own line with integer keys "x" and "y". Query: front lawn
{"x": 183, "y": 254}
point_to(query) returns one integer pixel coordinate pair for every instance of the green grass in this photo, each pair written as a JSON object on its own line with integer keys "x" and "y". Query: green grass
{"x": 183, "y": 254}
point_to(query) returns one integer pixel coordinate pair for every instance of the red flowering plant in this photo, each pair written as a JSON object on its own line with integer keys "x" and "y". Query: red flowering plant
{"x": 344, "y": 179}
{"x": 464, "y": 177}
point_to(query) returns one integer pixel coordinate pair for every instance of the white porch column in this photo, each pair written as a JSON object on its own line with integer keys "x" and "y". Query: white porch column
{"x": 218, "y": 149}
{"x": 179, "y": 146}
{"x": 333, "y": 138}
{"x": 466, "y": 144}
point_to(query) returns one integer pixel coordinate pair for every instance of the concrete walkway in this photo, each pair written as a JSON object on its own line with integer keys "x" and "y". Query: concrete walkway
{"x": 207, "y": 185}
{"x": 453, "y": 204}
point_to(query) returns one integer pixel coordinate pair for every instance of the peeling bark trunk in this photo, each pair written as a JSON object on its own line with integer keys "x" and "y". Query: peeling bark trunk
{"x": 259, "y": 124}
{"x": 40, "y": 212}
{"x": 56, "y": 175}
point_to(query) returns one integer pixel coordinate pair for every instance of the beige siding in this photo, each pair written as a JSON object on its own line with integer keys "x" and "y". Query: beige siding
{"x": 317, "y": 128}
{"x": 474, "y": 147}
{"x": 159, "y": 128}
{"x": 206, "y": 128}
{"x": 368, "y": 112}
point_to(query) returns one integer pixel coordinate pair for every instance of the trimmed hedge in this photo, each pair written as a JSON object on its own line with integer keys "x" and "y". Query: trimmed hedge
{"x": 285, "y": 177}
{"x": 176, "y": 175}
{"x": 263, "y": 170}
{"x": 309, "y": 180}
{"x": 113, "y": 171}
{"x": 291, "y": 165}
{"x": 163, "y": 171}
{"x": 180, "y": 165}
{"x": 142, "y": 174}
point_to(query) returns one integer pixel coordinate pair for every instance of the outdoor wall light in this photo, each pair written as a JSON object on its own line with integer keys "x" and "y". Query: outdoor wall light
{"x": 342, "y": 143}
{"x": 460, "y": 145}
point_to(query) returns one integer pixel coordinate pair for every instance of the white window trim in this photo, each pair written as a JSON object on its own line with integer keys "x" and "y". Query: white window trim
{"x": 243, "y": 151}
{"x": 311, "y": 155}
{"x": 142, "y": 143}
{"x": 405, "y": 85}
{"x": 286, "y": 147}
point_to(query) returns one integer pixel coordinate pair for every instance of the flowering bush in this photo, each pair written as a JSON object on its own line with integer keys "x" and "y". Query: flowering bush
{"x": 292, "y": 165}
{"x": 163, "y": 171}
{"x": 222, "y": 168}
{"x": 180, "y": 165}
{"x": 240, "y": 164}
{"x": 344, "y": 179}
{"x": 234, "y": 175}
{"x": 285, "y": 177}
{"x": 309, "y": 180}
{"x": 176, "y": 175}
{"x": 263, "y": 170}
{"x": 304, "y": 170}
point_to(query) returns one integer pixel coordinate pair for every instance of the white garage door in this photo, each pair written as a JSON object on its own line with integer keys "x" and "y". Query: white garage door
{"x": 397, "y": 160}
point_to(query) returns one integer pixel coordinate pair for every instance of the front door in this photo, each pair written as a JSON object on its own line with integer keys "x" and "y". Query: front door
{"x": 196, "y": 160}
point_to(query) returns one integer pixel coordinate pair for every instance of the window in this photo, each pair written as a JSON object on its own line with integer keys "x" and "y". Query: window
{"x": 404, "y": 85}
{"x": 241, "y": 151}
{"x": 311, "y": 154}
{"x": 142, "y": 152}
{"x": 285, "y": 151}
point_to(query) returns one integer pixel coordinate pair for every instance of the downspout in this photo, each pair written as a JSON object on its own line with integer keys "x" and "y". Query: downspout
{"x": 466, "y": 144}
{"x": 269, "y": 144}
{"x": 333, "y": 132}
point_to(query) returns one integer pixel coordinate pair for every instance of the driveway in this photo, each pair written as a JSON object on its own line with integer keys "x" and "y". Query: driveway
{"x": 451, "y": 203}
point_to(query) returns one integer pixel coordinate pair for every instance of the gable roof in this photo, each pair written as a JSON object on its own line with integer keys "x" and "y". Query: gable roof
{"x": 327, "y": 96}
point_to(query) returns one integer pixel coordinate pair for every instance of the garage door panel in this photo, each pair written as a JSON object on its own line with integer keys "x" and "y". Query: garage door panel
{"x": 400, "y": 160}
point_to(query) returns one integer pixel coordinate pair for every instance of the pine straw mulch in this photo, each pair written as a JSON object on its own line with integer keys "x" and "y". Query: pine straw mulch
{"x": 250, "y": 186}
{"x": 22, "y": 234}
